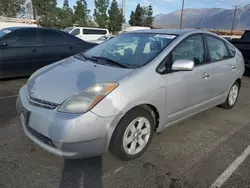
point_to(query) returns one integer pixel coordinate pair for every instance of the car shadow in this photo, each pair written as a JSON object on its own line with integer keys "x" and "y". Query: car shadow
{"x": 82, "y": 173}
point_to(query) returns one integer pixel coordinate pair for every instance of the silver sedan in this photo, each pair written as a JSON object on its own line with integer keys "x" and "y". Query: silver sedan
{"x": 118, "y": 94}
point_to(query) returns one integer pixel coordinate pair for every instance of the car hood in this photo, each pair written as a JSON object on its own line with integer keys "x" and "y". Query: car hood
{"x": 57, "y": 82}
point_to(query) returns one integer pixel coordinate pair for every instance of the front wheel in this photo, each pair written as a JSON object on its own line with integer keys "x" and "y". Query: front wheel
{"x": 232, "y": 96}
{"x": 132, "y": 134}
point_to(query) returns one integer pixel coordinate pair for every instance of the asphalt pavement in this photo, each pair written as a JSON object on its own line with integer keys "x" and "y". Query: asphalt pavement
{"x": 208, "y": 150}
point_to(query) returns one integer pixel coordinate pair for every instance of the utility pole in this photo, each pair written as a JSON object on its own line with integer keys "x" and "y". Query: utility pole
{"x": 182, "y": 9}
{"x": 235, "y": 11}
{"x": 123, "y": 7}
{"x": 123, "y": 11}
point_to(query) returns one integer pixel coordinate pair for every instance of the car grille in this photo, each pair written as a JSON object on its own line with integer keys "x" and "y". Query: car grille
{"x": 42, "y": 103}
{"x": 40, "y": 137}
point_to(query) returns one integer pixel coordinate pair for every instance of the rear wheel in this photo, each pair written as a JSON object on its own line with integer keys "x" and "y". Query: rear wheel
{"x": 232, "y": 96}
{"x": 133, "y": 134}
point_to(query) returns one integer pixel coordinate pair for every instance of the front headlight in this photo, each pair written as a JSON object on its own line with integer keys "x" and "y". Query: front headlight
{"x": 86, "y": 99}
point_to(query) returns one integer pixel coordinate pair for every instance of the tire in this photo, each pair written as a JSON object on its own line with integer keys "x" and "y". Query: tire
{"x": 228, "y": 104}
{"x": 125, "y": 137}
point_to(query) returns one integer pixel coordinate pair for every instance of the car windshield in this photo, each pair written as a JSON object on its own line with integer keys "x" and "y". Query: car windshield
{"x": 68, "y": 29}
{"x": 5, "y": 31}
{"x": 132, "y": 50}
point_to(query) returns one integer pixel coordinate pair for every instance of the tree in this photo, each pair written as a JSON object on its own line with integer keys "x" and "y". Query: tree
{"x": 11, "y": 8}
{"x": 116, "y": 18}
{"x": 46, "y": 12}
{"x": 136, "y": 18}
{"x": 66, "y": 3}
{"x": 100, "y": 13}
{"x": 81, "y": 13}
{"x": 64, "y": 17}
{"x": 132, "y": 19}
{"x": 149, "y": 19}
{"x": 142, "y": 16}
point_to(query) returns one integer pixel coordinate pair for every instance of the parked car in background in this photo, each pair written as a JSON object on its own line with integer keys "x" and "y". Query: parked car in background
{"x": 87, "y": 33}
{"x": 116, "y": 99}
{"x": 134, "y": 28}
{"x": 23, "y": 50}
{"x": 103, "y": 39}
{"x": 243, "y": 44}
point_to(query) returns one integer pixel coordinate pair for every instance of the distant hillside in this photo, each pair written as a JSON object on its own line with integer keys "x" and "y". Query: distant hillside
{"x": 208, "y": 18}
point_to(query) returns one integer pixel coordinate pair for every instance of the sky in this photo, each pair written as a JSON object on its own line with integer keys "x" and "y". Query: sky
{"x": 168, "y": 6}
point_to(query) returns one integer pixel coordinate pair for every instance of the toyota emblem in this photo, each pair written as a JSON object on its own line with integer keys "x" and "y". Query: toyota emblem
{"x": 32, "y": 90}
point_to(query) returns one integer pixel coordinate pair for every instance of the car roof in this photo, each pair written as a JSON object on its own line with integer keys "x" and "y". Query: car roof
{"x": 17, "y": 28}
{"x": 167, "y": 31}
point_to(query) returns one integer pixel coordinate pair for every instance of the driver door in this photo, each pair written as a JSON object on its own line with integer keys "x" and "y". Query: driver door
{"x": 187, "y": 91}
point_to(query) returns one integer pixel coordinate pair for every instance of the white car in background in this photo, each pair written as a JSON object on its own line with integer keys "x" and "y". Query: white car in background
{"x": 87, "y": 33}
{"x": 133, "y": 28}
{"x": 103, "y": 39}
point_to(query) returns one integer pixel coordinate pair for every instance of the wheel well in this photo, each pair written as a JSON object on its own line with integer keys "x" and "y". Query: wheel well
{"x": 239, "y": 81}
{"x": 154, "y": 112}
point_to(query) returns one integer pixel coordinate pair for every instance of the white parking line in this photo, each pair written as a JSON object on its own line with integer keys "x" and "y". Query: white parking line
{"x": 230, "y": 170}
{"x": 7, "y": 97}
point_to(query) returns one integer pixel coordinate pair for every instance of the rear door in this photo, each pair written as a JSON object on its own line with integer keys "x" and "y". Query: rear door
{"x": 187, "y": 91}
{"x": 222, "y": 67}
{"x": 52, "y": 47}
{"x": 16, "y": 58}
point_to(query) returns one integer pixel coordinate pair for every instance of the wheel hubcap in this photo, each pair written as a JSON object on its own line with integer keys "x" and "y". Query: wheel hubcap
{"x": 136, "y": 136}
{"x": 233, "y": 94}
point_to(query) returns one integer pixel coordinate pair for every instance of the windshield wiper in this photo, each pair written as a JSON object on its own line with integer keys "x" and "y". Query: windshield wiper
{"x": 81, "y": 56}
{"x": 110, "y": 61}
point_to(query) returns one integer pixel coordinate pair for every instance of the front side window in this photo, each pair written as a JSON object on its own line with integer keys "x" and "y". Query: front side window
{"x": 27, "y": 37}
{"x": 132, "y": 49}
{"x": 191, "y": 48}
{"x": 217, "y": 49}
{"x": 75, "y": 32}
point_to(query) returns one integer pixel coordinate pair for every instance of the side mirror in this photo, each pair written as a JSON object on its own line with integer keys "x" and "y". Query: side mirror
{"x": 183, "y": 65}
{"x": 3, "y": 44}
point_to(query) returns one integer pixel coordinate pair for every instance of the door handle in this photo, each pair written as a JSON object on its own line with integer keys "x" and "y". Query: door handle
{"x": 233, "y": 67}
{"x": 70, "y": 48}
{"x": 34, "y": 50}
{"x": 205, "y": 76}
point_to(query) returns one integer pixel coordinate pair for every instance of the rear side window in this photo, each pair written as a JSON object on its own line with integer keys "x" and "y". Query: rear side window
{"x": 191, "y": 48}
{"x": 217, "y": 49}
{"x": 27, "y": 37}
{"x": 232, "y": 50}
{"x": 94, "y": 32}
{"x": 75, "y": 32}
{"x": 48, "y": 37}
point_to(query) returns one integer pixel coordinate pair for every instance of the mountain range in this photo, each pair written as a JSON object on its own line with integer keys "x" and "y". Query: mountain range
{"x": 207, "y": 18}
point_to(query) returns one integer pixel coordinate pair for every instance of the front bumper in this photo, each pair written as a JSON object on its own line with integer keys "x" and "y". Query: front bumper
{"x": 67, "y": 135}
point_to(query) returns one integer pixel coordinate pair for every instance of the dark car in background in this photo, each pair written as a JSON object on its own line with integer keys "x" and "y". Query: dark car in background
{"x": 23, "y": 50}
{"x": 243, "y": 44}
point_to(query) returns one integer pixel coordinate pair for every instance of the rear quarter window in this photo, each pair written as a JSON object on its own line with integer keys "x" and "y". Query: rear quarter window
{"x": 70, "y": 39}
{"x": 232, "y": 50}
